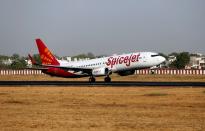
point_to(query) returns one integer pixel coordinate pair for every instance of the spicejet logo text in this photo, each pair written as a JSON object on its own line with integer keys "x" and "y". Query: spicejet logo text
{"x": 122, "y": 60}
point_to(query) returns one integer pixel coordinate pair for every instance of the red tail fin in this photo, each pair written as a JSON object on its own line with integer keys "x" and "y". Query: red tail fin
{"x": 47, "y": 58}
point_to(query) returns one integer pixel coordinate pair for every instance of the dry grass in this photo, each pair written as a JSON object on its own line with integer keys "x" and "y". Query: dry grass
{"x": 102, "y": 108}
{"x": 199, "y": 78}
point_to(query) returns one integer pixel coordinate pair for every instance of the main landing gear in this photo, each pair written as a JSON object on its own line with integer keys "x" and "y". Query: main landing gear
{"x": 106, "y": 79}
{"x": 92, "y": 79}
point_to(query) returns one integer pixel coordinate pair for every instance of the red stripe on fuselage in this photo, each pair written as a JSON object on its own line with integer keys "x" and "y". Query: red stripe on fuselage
{"x": 59, "y": 72}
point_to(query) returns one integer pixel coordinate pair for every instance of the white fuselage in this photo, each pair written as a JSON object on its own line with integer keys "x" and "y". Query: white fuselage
{"x": 117, "y": 63}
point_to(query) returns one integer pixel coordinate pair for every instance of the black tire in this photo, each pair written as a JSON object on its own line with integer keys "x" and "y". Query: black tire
{"x": 107, "y": 79}
{"x": 92, "y": 79}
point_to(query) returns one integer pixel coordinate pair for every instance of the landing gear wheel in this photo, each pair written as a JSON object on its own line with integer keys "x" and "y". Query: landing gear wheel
{"x": 92, "y": 79}
{"x": 107, "y": 79}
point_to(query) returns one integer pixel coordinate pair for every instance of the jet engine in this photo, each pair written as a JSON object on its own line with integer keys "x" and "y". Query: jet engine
{"x": 100, "y": 71}
{"x": 126, "y": 73}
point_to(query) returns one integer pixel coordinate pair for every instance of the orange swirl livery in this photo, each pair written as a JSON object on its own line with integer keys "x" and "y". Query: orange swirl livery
{"x": 45, "y": 54}
{"x": 125, "y": 64}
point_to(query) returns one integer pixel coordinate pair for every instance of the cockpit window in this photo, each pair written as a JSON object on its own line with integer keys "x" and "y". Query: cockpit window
{"x": 155, "y": 55}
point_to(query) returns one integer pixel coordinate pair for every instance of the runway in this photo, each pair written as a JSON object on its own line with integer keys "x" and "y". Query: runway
{"x": 114, "y": 84}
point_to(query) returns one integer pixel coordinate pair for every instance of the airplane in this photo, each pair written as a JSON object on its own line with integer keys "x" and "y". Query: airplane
{"x": 124, "y": 64}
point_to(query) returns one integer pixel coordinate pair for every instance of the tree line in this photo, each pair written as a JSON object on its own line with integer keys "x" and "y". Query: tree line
{"x": 16, "y": 62}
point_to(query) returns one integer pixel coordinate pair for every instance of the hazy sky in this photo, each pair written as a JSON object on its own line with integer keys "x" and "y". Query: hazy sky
{"x": 71, "y": 27}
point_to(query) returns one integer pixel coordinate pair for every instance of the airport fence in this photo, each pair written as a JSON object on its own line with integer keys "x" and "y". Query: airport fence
{"x": 21, "y": 72}
{"x": 171, "y": 72}
{"x": 137, "y": 72}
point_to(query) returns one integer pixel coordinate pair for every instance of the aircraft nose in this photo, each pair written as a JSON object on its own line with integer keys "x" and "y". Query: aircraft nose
{"x": 162, "y": 59}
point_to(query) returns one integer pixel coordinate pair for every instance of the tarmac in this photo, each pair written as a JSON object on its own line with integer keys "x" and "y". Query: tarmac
{"x": 100, "y": 83}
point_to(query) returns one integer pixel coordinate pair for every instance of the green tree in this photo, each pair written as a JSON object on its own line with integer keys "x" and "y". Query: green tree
{"x": 18, "y": 64}
{"x": 173, "y": 54}
{"x": 3, "y": 66}
{"x": 15, "y": 56}
{"x": 3, "y": 57}
{"x": 37, "y": 58}
{"x": 182, "y": 59}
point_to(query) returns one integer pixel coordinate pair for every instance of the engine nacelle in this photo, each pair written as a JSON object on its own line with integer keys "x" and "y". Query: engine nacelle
{"x": 100, "y": 71}
{"x": 126, "y": 73}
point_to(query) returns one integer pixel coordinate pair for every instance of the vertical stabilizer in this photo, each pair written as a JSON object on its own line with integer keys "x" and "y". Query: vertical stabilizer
{"x": 47, "y": 58}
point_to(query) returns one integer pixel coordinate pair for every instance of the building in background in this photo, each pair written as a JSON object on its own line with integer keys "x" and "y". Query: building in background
{"x": 7, "y": 61}
{"x": 197, "y": 61}
{"x": 171, "y": 58}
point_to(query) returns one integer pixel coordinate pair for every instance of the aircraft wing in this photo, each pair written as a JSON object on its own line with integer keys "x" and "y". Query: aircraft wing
{"x": 36, "y": 68}
{"x": 76, "y": 69}
{"x": 46, "y": 67}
